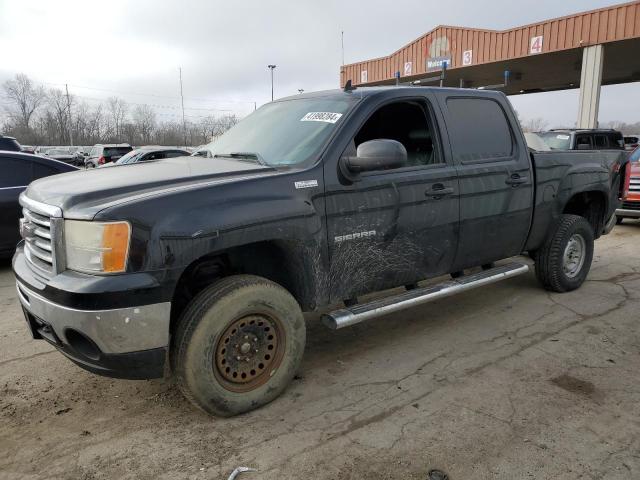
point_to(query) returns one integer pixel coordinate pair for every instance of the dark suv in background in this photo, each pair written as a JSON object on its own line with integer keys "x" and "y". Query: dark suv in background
{"x": 583, "y": 139}
{"x": 107, "y": 153}
{"x": 9, "y": 144}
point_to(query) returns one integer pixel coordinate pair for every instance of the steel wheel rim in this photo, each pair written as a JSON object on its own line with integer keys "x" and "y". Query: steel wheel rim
{"x": 249, "y": 352}
{"x": 574, "y": 255}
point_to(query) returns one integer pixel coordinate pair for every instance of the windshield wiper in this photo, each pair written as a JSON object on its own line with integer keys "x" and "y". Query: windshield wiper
{"x": 253, "y": 157}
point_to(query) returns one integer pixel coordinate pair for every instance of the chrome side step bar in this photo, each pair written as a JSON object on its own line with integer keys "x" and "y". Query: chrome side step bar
{"x": 359, "y": 313}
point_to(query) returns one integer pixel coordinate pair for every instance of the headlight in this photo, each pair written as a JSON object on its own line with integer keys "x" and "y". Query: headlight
{"x": 96, "y": 247}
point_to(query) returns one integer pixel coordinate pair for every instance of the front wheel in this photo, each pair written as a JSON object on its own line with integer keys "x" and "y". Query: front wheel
{"x": 238, "y": 345}
{"x": 564, "y": 261}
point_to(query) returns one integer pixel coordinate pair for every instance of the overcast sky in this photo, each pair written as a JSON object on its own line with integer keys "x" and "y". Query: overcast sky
{"x": 133, "y": 48}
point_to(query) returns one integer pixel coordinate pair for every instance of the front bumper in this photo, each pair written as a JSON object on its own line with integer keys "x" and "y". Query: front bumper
{"x": 130, "y": 341}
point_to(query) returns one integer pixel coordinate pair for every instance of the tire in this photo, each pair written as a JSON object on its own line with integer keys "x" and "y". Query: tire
{"x": 243, "y": 311}
{"x": 557, "y": 273}
{"x": 619, "y": 220}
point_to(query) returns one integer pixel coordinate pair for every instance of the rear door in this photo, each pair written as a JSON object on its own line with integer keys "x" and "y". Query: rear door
{"x": 495, "y": 178}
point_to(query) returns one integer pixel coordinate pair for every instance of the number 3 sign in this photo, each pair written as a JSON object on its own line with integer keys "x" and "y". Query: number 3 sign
{"x": 536, "y": 44}
{"x": 467, "y": 57}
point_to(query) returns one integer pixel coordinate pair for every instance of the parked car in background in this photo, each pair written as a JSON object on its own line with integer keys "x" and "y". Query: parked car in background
{"x": 631, "y": 142}
{"x": 146, "y": 154}
{"x": 28, "y": 149}
{"x": 17, "y": 171}
{"x": 583, "y": 139}
{"x": 202, "y": 151}
{"x": 631, "y": 206}
{"x": 62, "y": 155}
{"x": 9, "y": 144}
{"x": 102, "y": 154}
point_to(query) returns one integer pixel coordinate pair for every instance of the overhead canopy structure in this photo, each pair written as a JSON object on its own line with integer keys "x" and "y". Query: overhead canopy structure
{"x": 586, "y": 50}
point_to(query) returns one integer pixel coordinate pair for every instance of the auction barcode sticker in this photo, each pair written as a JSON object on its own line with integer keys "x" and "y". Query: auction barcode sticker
{"x": 327, "y": 117}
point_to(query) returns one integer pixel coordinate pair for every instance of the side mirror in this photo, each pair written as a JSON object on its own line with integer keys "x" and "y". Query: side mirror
{"x": 379, "y": 154}
{"x": 584, "y": 146}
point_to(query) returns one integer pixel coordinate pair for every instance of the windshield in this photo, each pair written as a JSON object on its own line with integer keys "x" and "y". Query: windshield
{"x": 283, "y": 133}
{"x": 130, "y": 157}
{"x": 58, "y": 152}
{"x": 556, "y": 141}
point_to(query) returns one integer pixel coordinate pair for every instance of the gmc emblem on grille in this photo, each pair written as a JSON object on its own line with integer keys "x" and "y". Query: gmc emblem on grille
{"x": 27, "y": 229}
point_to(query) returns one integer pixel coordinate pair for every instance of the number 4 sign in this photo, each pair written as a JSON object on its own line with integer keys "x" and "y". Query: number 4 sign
{"x": 536, "y": 44}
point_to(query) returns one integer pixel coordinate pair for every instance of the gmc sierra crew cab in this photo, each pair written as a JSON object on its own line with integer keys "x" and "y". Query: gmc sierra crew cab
{"x": 205, "y": 265}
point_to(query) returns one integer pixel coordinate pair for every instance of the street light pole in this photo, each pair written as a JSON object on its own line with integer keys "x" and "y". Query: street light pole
{"x": 272, "y": 68}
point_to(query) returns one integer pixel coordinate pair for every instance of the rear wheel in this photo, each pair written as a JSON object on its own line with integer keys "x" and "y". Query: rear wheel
{"x": 238, "y": 345}
{"x": 564, "y": 261}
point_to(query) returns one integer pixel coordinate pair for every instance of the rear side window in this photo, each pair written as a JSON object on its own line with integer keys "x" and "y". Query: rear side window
{"x": 616, "y": 140}
{"x": 40, "y": 170}
{"x": 116, "y": 151}
{"x": 585, "y": 141}
{"x": 480, "y": 130}
{"x": 176, "y": 154}
{"x": 14, "y": 172}
{"x": 601, "y": 141}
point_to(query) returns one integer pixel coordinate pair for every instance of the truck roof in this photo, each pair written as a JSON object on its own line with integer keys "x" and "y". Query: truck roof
{"x": 363, "y": 92}
{"x": 584, "y": 130}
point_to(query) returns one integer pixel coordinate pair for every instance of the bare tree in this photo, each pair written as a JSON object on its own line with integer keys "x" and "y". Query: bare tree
{"x": 535, "y": 125}
{"x": 59, "y": 110}
{"x": 117, "y": 110}
{"x": 144, "y": 119}
{"x": 26, "y": 99}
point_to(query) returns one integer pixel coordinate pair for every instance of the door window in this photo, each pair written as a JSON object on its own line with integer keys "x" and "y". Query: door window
{"x": 601, "y": 142}
{"x": 40, "y": 170}
{"x": 407, "y": 122}
{"x": 14, "y": 172}
{"x": 584, "y": 140}
{"x": 480, "y": 130}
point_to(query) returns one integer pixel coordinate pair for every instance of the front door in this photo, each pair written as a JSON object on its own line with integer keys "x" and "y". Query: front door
{"x": 394, "y": 227}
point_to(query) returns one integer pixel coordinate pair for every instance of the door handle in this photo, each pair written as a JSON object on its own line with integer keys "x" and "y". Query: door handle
{"x": 439, "y": 190}
{"x": 515, "y": 179}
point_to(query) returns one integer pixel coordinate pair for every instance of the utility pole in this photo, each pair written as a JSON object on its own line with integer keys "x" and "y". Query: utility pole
{"x": 255, "y": 106}
{"x": 272, "y": 68}
{"x": 66, "y": 87}
{"x": 184, "y": 123}
{"x": 342, "y": 48}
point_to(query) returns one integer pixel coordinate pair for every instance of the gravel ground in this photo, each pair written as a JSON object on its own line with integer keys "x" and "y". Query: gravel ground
{"x": 506, "y": 382}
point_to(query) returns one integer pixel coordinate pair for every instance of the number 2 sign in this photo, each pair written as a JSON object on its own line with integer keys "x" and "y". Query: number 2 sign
{"x": 536, "y": 44}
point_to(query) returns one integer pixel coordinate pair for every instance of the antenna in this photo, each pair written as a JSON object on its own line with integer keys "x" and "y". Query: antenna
{"x": 348, "y": 87}
{"x": 184, "y": 123}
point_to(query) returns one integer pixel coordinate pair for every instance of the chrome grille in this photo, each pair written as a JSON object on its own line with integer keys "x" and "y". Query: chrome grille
{"x": 635, "y": 184}
{"x": 41, "y": 229}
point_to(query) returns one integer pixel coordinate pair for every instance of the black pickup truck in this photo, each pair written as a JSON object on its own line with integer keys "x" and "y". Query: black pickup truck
{"x": 205, "y": 265}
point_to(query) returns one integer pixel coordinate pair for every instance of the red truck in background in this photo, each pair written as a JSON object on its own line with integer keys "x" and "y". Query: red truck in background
{"x": 631, "y": 205}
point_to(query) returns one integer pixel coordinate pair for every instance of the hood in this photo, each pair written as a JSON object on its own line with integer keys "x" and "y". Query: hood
{"x": 83, "y": 193}
{"x": 635, "y": 169}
